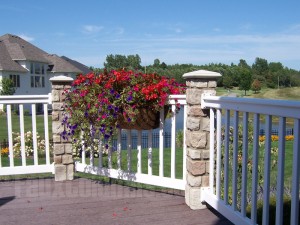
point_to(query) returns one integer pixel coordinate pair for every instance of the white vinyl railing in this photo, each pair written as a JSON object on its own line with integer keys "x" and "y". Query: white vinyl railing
{"x": 22, "y": 103}
{"x": 224, "y": 193}
{"x": 172, "y": 181}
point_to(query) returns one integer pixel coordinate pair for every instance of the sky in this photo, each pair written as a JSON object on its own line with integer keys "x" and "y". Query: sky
{"x": 173, "y": 31}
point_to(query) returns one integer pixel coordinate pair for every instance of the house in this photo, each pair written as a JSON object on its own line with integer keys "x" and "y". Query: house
{"x": 30, "y": 68}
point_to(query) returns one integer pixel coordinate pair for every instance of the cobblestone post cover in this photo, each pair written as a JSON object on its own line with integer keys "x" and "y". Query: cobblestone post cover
{"x": 63, "y": 159}
{"x": 197, "y": 134}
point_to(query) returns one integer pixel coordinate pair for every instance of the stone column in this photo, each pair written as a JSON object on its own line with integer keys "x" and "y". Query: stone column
{"x": 63, "y": 159}
{"x": 197, "y": 134}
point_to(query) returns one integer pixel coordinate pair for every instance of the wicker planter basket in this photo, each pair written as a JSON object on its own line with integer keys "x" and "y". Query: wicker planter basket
{"x": 146, "y": 120}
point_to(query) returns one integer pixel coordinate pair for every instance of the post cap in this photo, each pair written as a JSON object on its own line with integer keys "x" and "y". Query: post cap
{"x": 61, "y": 78}
{"x": 201, "y": 74}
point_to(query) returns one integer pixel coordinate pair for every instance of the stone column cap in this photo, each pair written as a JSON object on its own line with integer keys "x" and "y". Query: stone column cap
{"x": 201, "y": 74}
{"x": 61, "y": 78}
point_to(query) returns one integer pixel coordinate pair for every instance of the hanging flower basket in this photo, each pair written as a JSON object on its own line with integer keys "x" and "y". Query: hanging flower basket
{"x": 146, "y": 119}
{"x": 99, "y": 104}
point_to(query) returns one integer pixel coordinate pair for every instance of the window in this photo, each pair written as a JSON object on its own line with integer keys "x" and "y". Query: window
{"x": 31, "y": 68}
{"x": 37, "y": 68}
{"x": 15, "y": 79}
{"x": 37, "y": 81}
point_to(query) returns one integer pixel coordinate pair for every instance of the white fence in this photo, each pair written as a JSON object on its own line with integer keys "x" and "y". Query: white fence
{"x": 160, "y": 179}
{"x": 236, "y": 171}
{"x": 29, "y": 163}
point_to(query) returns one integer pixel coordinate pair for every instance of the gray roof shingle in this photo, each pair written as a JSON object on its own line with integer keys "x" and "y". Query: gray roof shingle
{"x": 14, "y": 48}
{"x": 61, "y": 65}
{"x": 6, "y": 63}
{"x": 82, "y": 67}
{"x": 20, "y": 49}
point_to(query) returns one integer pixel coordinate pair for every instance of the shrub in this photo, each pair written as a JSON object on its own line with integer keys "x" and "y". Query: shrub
{"x": 28, "y": 144}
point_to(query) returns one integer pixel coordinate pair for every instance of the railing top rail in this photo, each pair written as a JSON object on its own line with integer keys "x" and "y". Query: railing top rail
{"x": 284, "y": 108}
{"x": 181, "y": 99}
{"x": 21, "y": 99}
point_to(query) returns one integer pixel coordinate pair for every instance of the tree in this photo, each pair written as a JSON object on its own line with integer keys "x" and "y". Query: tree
{"x": 256, "y": 86}
{"x": 244, "y": 64}
{"x": 227, "y": 81}
{"x": 246, "y": 79}
{"x": 156, "y": 63}
{"x": 114, "y": 62}
{"x": 7, "y": 87}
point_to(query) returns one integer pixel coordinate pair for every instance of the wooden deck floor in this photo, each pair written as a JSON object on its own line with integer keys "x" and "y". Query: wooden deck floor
{"x": 84, "y": 202}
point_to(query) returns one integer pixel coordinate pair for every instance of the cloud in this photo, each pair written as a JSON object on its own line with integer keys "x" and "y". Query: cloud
{"x": 199, "y": 49}
{"x": 26, "y": 38}
{"x": 92, "y": 29}
{"x": 120, "y": 30}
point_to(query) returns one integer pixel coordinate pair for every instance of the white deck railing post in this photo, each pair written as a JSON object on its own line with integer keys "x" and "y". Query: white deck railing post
{"x": 197, "y": 135}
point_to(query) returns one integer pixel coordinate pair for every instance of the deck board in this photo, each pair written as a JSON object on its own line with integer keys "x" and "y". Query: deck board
{"x": 84, "y": 201}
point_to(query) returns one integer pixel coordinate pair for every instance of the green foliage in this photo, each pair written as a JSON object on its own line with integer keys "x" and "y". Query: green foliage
{"x": 114, "y": 62}
{"x": 7, "y": 87}
{"x": 272, "y": 210}
{"x": 245, "y": 79}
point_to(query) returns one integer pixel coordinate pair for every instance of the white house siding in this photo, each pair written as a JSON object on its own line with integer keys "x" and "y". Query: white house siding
{"x": 25, "y": 82}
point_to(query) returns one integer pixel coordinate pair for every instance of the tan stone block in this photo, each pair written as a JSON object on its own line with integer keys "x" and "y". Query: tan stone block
{"x": 58, "y": 149}
{"x": 205, "y": 181}
{"x": 67, "y": 159}
{"x": 194, "y": 181}
{"x": 55, "y": 95}
{"x": 196, "y": 139}
{"x": 70, "y": 171}
{"x": 205, "y": 154}
{"x": 57, "y": 106}
{"x": 193, "y": 123}
{"x": 212, "y": 84}
{"x": 196, "y": 111}
{"x": 57, "y": 127}
{"x": 55, "y": 116}
{"x": 197, "y": 84}
{"x": 207, "y": 166}
{"x": 196, "y": 167}
{"x": 205, "y": 124}
{"x": 60, "y": 172}
{"x": 193, "y": 96}
{"x": 57, "y": 85}
{"x": 56, "y": 138}
{"x": 57, "y": 159}
{"x": 194, "y": 153}
{"x": 192, "y": 196}
{"x": 68, "y": 148}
